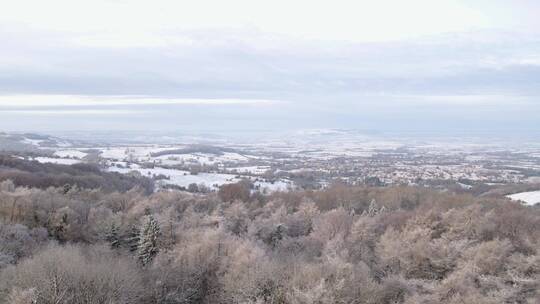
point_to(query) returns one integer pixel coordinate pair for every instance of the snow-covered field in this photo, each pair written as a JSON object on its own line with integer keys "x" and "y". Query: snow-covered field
{"x": 251, "y": 169}
{"x": 70, "y": 153}
{"x": 211, "y": 180}
{"x": 114, "y": 153}
{"x": 145, "y": 154}
{"x": 134, "y": 152}
{"x": 183, "y": 178}
{"x": 200, "y": 158}
{"x": 280, "y": 185}
{"x": 529, "y": 198}
{"x": 125, "y": 159}
{"x": 61, "y": 161}
{"x": 34, "y": 142}
{"x": 38, "y": 142}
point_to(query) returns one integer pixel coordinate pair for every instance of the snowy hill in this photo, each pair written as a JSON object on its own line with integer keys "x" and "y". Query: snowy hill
{"x": 31, "y": 142}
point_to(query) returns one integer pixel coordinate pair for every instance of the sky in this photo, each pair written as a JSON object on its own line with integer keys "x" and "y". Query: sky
{"x": 444, "y": 66}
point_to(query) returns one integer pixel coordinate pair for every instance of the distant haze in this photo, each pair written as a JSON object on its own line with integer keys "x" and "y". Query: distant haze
{"x": 419, "y": 66}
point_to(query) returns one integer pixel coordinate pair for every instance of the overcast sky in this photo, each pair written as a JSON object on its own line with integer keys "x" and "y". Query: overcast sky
{"x": 449, "y": 66}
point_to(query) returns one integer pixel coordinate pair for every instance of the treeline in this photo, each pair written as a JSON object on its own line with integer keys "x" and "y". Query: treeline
{"x": 43, "y": 175}
{"x": 195, "y": 149}
{"x": 339, "y": 245}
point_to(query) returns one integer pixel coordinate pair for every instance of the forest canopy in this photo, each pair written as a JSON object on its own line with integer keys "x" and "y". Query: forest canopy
{"x": 339, "y": 245}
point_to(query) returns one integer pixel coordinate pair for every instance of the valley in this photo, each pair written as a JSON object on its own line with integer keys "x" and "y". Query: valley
{"x": 304, "y": 161}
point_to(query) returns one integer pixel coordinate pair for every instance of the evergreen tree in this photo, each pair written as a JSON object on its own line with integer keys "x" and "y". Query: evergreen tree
{"x": 148, "y": 241}
{"x": 66, "y": 188}
{"x": 113, "y": 236}
{"x": 133, "y": 238}
{"x": 373, "y": 209}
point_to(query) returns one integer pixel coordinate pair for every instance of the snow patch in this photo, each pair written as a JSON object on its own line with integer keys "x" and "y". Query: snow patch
{"x": 60, "y": 161}
{"x": 528, "y": 198}
{"x": 70, "y": 153}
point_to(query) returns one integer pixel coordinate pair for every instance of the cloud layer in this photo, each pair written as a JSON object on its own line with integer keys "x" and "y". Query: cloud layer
{"x": 317, "y": 66}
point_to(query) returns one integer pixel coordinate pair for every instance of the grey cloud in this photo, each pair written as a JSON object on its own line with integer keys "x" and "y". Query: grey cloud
{"x": 230, "y": 66}
{"x": 333, "y": 83}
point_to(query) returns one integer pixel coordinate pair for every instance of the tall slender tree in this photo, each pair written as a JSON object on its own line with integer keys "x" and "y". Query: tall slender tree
{"x": 113, "y": 236}
{"x": 148, "y": 246}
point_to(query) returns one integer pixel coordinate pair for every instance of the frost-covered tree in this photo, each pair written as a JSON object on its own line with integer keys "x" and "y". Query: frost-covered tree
{"x": 133, "y": 238}
{"x": 148, "y": 241}
{"x": 7, "y": 186}
{"x": 113, "y": 236}
{"x": 373, "y": 209}
{"x": 66, "y": 188}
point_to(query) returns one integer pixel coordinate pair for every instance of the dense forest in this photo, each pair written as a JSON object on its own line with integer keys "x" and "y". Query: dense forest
{"x": 89, "y": 176}
{"x": 71, "y": 234}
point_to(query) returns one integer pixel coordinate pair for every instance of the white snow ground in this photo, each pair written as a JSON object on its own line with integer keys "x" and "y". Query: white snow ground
{"x": 528, "y": 198}
{"x": 70, "y": 153}
{"x": 211, "y": 180}
{"x": 61, "y": 161}
{"x": 183, "y": 178}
